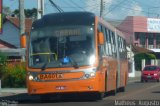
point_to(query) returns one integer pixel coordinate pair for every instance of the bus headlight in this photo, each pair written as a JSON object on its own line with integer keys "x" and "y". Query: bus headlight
{"x": 90, "y": 73}
{"x": 30, "y": 77}
{"x": 87, "y": 75}
{"x": 92, "y": 60}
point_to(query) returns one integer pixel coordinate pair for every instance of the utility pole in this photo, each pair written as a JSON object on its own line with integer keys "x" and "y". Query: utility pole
{"x": 21, "y": 17}
{"x": 22, "y": 25}
{"x": 40, "y": 10}
{"x": 101, "y": 9}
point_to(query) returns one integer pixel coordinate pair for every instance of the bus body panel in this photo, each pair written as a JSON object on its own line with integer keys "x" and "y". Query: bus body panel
{"x": 79, "y": 85}
{"x": 112, "y": 68}
{"x": 105, "y": 79}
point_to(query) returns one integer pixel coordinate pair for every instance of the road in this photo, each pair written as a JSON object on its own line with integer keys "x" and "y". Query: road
{"x": 136, "y": 93}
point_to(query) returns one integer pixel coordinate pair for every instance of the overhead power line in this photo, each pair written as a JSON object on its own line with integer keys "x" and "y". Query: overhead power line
{"x": 115, "y": 7}
{"x": 77, "y": 5}
{"x": 56, "y": 6}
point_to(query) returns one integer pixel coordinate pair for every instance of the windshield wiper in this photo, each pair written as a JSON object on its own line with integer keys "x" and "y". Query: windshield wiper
{"x": 67, "y": 60}
{"x": 44, "y": 66}
{"x": 74, "y": 63}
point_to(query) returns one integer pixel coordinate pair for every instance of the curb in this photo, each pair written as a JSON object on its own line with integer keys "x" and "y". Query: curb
{"x": 134, "y": 79}
{"x": 13, "y": 90}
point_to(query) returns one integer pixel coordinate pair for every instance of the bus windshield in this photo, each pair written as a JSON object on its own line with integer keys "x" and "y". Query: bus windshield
{"x": 62, "y": 46}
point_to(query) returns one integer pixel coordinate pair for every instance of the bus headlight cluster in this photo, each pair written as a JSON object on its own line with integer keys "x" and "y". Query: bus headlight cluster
{"x": 90, "y": 73}
{"x": 32, "y": 77}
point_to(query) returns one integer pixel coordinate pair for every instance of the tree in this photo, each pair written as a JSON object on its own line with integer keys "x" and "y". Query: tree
{"x": 3, "y": 59}
{"x": 138, "y": 58}
{"x": 29, "y": 13}
{"x": 6, "y": 11}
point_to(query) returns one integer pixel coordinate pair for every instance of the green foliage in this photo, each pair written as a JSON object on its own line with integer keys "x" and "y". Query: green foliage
{"x": 6, "y": 11}
{"x": 3, "y": 59}
{"x": 29, "y": 13}
{"x": 14, "y": 75}
{"x": 139, "y": 57}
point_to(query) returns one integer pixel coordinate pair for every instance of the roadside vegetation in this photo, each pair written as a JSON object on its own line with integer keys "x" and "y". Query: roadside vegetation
{"x": 139, "y": 57}
{"x": 12, "y": 74}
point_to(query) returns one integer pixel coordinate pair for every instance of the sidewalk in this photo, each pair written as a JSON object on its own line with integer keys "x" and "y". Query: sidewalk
{"x": 136, "y": 78}
{"x": 12, "y": 91}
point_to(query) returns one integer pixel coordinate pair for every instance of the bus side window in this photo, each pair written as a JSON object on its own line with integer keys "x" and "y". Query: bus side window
{"x": 120, "y": 47}
{"x": 106, "y": 43}
{"x": 112, "y": 43}
{"x": 109, "y": 42}
{"x": 101, "y": 47}
{"x": 125, "y": 50}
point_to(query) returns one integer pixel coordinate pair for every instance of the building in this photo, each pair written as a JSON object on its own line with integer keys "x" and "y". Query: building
{"x": 142, "y": 32}
{"x": 10, "y": 38}
{"x": 144, "y": 35}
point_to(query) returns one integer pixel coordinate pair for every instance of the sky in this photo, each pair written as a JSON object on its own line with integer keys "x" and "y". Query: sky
{"x": 113, "y": 9}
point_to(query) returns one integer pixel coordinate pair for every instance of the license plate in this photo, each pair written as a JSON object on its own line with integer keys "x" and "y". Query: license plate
{"x": 50, "y": 76}
{"x": 148, "y": 76}
{"x": 60, "y": 87}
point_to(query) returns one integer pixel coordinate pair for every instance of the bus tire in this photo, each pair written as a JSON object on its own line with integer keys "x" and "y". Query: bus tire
{"x": 100, "y": 96}
{"x": 106, "y": 76}
{"x": 115, "y": 90}
{"x": 122, "y": 89}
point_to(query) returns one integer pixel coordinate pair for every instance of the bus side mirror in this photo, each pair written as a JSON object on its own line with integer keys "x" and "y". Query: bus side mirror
{"x": 100, "y": 38}
{"x": 23, "y": 41}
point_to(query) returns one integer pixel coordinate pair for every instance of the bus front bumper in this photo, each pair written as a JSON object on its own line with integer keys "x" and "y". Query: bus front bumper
{"x": 85, "y": 85}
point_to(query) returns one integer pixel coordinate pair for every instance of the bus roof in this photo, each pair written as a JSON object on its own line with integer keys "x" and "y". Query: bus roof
{"x": 65, "y": 18}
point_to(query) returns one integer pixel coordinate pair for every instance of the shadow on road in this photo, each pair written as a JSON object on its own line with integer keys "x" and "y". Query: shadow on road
{"x": 151, "y": 81}
{"x": 137, "y": 82}
{"x": 156, "y": 92}
{"x": 52, "y": 98}
{"x": 25, "y": 98}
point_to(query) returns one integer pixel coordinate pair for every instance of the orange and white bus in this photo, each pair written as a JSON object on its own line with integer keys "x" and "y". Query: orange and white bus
{"x": 75, "y": 52}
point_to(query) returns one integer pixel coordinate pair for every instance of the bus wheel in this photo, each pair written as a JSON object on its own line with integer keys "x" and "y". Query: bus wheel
{"x": 100, "y": 95}
{"x": 122, "y": 89}
{"x": 114, "y": 92}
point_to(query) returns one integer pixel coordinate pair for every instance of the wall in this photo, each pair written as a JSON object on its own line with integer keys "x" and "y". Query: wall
{"x": 10, "y": 34}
